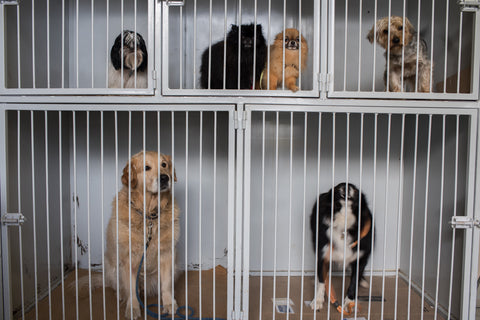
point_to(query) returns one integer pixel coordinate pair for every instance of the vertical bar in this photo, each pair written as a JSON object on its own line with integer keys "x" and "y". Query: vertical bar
{"x": 116, "y": 213}
{"x": 426, "y": 210}
{"x": 130, "y": 278}
{"x": 194, "y": 74}
{"x": 103, "y": 215}
{"x": 225, "y": 45}
{"x": 47, "y": 210}
{"x": 91, "y": 40}
{"x": 446, "y": 47}
{"x": 403, "y": 50}
{"x": 290, "y": 179}
{"x": 19, "y": 192}
{"x": 263, "y": 218}
{"x": 442, "y": 179}
{"x": 347, "y": 160}
{"x": 460, "y": 32}
{"x": 210, "y": 47}
{"x": 33, "y": 44}
{"x": 32, "y": 137}
{"x": 330, "y": 263}
{"x": 315, "y": 277}
{"x": 135, "y": 49}
{"x": 299, "y": 50}
{"x": 74, "y": 133}
{"x": 159, "y": 155}
{"x": 345, "y": 48}
{"x": 214, "y": 202}
{"x": 88, "y": 216}
{"x": 76, "y": 42}
{"x": 107, "y": 54}
{"x": 387, "y": 85}
{"x": 173, "y": 217}
{"x": 63, "y": 44}
{"x": 359, "y": 214}
{"x": 48, "y": 43}
{"x": 239, "y": 42}
{"x": 399, "y": 216}
{"x": 360, "y": 38}
{"x": 283, "y": 47}
{"x": 121, "y": 53}
{"x": 374, "y": 67}
{"x": 200, "y": 215}
{"x": 268, "y": 50}
{"x": 454, "y": 215}
{"x": 431, "y": 44}
{"x": 276, "y": 214}
{"x": 418, "y": 45}
{"x": 385, "y": 222}
{"x": 304, "y": 208}
{"x": 231, "y": 210}
{"x": 19, "y": 77}
{"x": 6, "y": 284}
{"x": 254, "y": 43}
{"x": 373, "y": 207}
{"x": 61, "y": 208}
{"x": 145, "y": 213}
{"x": 413, "y": 216}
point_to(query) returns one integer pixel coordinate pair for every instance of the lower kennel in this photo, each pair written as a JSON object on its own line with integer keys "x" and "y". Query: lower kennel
{"x": 247, "y": 182}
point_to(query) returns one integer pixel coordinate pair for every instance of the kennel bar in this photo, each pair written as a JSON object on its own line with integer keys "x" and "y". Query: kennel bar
{"x": 450, "y": 141}
{"x": 88, "y": 156}
{"x": 357, "y": 67}
{"x": 70, "y": 52}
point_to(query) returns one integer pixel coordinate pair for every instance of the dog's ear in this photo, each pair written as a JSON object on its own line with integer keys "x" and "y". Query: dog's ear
{"x": 169, "y": 160}
{"x": 408, "y": 26}
{"x": 132, "y": 175}
{"x": 371, "y": 34}
{"x": 115, "y": 53}
{"x": 143, "y": 47}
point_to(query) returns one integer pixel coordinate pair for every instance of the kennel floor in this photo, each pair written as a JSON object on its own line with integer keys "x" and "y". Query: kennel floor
{"x": 254, "y": 303}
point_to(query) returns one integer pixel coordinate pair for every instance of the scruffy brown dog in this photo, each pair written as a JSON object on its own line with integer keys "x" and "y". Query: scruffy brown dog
{"x": 291, "y": 41}
{"x": 403, "y": 37}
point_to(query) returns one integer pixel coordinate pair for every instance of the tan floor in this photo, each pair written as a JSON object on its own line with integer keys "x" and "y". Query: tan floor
{"x": 221, "y": 299}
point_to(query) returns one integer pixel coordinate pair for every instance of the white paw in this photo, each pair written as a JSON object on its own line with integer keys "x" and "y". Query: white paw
{"x": 317, "y": 302}
{"x": 364, "y": 283}
{"x": 170, "y": 308}
{"x": 350, "y": 305}
{"x": 134, "y": 314}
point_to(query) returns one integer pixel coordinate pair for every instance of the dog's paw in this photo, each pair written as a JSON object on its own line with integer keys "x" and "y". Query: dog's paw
{"x": 132, "y": 312}
{"x": 349, "y": 306}
{"x": 318, "y": 304}
{"x": 294, "y": 88}
{"x": 171, "y": 308}
{"x": 364, "y": 283}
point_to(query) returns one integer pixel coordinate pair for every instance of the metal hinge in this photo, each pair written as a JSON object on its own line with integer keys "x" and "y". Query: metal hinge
{"x": 469, "y": 5}
{"x": 240, "y": 122}
{"x": 462, "y": 222}
{"x": 324, "y": 80}
{"x": 12, "y": 219}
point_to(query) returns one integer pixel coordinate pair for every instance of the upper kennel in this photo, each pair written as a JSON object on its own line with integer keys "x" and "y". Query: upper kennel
{"x": 69, "y": 51}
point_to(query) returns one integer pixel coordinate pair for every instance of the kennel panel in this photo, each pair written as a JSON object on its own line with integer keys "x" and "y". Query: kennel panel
{"x": 69, "y": 52}
{"x": 91, "y": 148}
{"x": 295, "y": 156}
{"x": 193, "y": 27}
{"x": 448, "y": 29}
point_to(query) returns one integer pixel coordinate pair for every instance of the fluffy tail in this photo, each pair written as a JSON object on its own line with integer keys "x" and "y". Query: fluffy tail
{"x": 83, "y": 284}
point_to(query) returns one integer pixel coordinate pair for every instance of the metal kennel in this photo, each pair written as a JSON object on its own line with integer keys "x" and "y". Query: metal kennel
{"x": 250, "y": 163}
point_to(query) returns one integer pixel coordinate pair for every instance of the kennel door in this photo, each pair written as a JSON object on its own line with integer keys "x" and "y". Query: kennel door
{"x": 194, "y": 32}
{"x": 440, "y": 58}
{"x": 68, "y": 47}
{"x": 415, "y": 171}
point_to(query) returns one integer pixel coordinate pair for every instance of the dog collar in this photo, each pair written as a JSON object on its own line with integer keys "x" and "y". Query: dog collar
{"x": 152, "y": 216}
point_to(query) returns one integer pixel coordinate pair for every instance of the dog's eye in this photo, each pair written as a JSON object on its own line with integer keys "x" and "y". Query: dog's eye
{"x": 385, "y": 31}
{"x": 164, "y": 164}
{"x": 286, "y": 39}
{"x": 400, "y": 28}
{"x": 147, "y": 168}
{"x": 298, "y": 40}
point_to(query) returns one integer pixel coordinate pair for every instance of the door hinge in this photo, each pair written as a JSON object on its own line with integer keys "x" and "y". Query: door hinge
{"x": 240, "y": 120}
{"x": 324, "y": 80}
{"x": 469, "y": 5}
{"x": 462, "y": 222}
{"x": 13, "y": 219}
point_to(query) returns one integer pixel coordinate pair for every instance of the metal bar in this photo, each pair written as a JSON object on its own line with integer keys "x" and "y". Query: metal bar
{"x": 360, "y": 38}
{"x": 290, "y": 179}
{"x": 315, "y": 277}
{"x": 426, "y": 209}
{"x": 158, "y": 222}
{"x": 135, "y": 50}
{"x": 345, "y": 48}
{"x": 129, "y": 156}
{"x": 75, "y": 205}
{"x": 103, "y": 214}
{"x": 107, "y": 53}
{"x": 88, "y": 217}
{"x": 413, "y": 216}
{"x": 63, "y": 45}
{"x": 214, "y": 204}
{"x": 442, "y": 179}
{"x": 403, "y": 51}
{"x": 19, "y": 82}
{"x": 121, "y": 62}
{"x": 446, "y": 47}
{"x": 283, "y": 47}
{"x": 33, "y": 45}
{"x": 300, "y": 53}
{"x": 276, "y": 214}
{"x": 254, "y": 44}
{"x": 194, "y": 43}
{"x": 246, "y": 219}
{"x": 399, "y": 216}
{"x": 331, "y": 216}
{"x": 231, "y": 210}
{"x": 200, "y": 216}
{"x": 385, "y": 222}
{"x": 19, "y": 191}
{"x": 47, "y": 211}
{"x": 460, "y": 32}
{"x": 210, "y": 47}
{"x": 181, "y": 50}
{"x": 263, "y": 219}
{"x": 347, "y": 161}
{"x": 304, "y": 208}
{"x": 76, "y": 42}
{"x": 268, "y": 51}
{"x": 431, "y": 44}
{"x": 116, "y": 214}
{"x": 374, "y": 202}
{"x": 145, "y": 215}
{"x": 374, "y": 69}
{"x": 225, "y": 45}
{"x": 418, "y": 44}
{"x": 91, "y": 40}
{"x": 32, "y": 137}
{"x": 173, "y": 219}
{"x": 387, "y": 84}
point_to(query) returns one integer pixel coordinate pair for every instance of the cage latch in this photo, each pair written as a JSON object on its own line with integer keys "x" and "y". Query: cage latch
{"x": 175, "y": 3}
{"x": 324, "y": 81}
{"x": 469, "y": 5}
{"x": 12, "y": 219}
{"x": 10, "y": 2}
{"x": 462, "y": 222}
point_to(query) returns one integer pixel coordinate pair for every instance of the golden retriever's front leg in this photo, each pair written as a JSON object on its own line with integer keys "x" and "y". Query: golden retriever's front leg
{"x": 132, "y": 310}
{"x": 168, "y": 301}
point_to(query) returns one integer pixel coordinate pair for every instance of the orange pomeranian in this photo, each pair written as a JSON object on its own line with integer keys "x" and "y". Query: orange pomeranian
{"x": 291, "y": 42}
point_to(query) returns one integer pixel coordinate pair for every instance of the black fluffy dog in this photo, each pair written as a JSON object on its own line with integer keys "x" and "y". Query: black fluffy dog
{"x": 246, "y": 56}
{"x": 346, "y": 211}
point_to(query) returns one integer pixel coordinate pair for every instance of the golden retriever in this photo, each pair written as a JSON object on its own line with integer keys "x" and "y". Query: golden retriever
{"x": 156, "y": 192}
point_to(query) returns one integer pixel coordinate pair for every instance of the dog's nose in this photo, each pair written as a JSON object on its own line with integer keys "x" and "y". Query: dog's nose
{"x": 164, "y": 179}
{"x": 293, "y": 43}
{"x": 396, "y": 40}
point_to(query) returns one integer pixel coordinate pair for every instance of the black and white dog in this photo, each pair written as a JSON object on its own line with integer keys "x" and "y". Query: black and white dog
{"x": 134, "y": 55}
{"x": 346, "y": 211}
